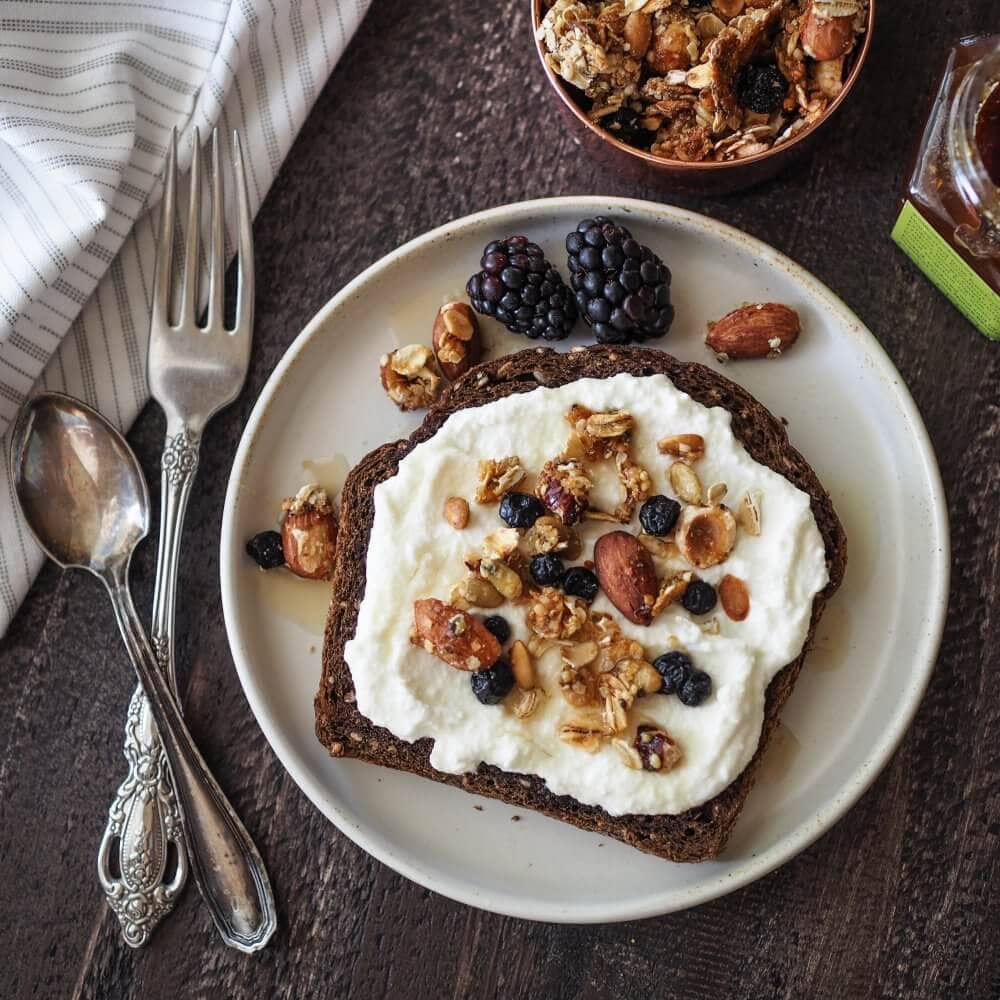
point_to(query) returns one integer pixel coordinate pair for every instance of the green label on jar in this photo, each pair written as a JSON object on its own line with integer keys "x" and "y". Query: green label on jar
{"x": 925, "y": 246}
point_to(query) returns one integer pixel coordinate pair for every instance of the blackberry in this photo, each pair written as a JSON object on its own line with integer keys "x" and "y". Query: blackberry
{"x": 658, "y": 515}
{"x": 265, "y": 550}
{"x": 761, "y": 87}
{"x": 492, "y": 685}
{"x": 624, "y": 124}
{"x": 699, "y": 597}
{"x": 580, "y": 582}
{"x": 695, "y": 689}
{"x": 521, "y": 289}
{"x": 622, "y": 288}
{"x": 547, "y": 569}
{"x": 497, "y": 626}
{"x": 520, "y": 510}
{"x": 675, "y": 668}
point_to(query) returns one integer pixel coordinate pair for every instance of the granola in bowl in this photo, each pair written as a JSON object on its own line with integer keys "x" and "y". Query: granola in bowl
{"x": 697, "y": 81}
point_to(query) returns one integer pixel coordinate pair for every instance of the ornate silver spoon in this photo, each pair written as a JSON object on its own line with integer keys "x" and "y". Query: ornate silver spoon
{"x": 85, "y": 499}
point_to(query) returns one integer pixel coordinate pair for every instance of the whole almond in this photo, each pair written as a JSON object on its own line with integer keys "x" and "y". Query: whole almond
{"x": 754, "y": 331}
{"x": 626, "y": 574}
{"x": 638, "y": 33}
{"x": 453, "y": 635}
{"x": 735, "y": 597}
{"x": 825, "y": 37}
{"x": 457, "y": 342}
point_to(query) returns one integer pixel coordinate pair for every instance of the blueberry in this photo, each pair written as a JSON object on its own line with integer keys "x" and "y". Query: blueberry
{"x": 675, "y": 668}
{"x": 265, "y": 550}
{"x": 658, "y": 515}
{"x": 695, "y": 689}
{"x": 580, "y": 582}
{"x": 491, "y": 686}
{"x": 547, "y": 569}
{"x": 699, "y": 597}
{"x": 761, "y": 88}
{"x": 497, "y": 626}
{"x": 520, "y": 510}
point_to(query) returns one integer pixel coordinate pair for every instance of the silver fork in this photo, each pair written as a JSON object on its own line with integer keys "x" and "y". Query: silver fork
{"x": 193, "y": 372}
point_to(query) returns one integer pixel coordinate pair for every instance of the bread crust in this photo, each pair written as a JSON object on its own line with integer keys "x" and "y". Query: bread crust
{"x": 698, "y": 834}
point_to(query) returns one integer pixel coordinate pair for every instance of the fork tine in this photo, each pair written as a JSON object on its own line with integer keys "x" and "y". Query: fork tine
{"x": 165, "y": 244}
{"x": 245, "y": 273}
{"x": 216, "y": 284}
{"x": 189, "y": 289}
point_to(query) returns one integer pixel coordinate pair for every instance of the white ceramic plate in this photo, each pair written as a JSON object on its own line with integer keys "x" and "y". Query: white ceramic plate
{"x": 848, "y": 412}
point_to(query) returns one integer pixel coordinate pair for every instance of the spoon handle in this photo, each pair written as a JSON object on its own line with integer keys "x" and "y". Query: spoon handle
{"x": 226, "y": 865}
{"x": 144, "y": 821}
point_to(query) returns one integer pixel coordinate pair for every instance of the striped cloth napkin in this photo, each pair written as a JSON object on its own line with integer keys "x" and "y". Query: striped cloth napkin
{"x": 89, "y": 93}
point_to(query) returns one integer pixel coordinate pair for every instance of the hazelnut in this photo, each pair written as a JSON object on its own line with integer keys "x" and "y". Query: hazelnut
{"x": 705, "y": 535}
{"x": 457, "y": 342}
{"x": 674, "y": 48}
{"x": 456, "y": 512}
{"x": 408, "y": 378}
{"x": 309, "y": 533}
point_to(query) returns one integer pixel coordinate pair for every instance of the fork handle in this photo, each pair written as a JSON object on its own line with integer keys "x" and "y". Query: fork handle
{"x": 178, "y": 465}
{"x": 144, "y": 820}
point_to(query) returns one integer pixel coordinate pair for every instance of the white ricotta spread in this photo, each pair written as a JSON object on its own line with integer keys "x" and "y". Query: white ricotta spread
{"x": 414, "y": 553}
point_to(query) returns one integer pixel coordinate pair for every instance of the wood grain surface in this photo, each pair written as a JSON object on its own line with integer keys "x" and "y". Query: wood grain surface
{"x": 437, "y": 110}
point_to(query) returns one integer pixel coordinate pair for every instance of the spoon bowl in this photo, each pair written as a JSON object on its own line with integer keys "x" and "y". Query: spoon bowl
{"x": 79, "y": 484}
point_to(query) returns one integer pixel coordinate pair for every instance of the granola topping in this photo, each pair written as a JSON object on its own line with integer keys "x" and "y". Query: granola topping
{"x": 498, "y": 476}
{"x": 677, "y": 68}
{"x": 408, "y": 377}
{"x": 564, "y": 487}
{"x": 555, "y": 615}
{"x": 581, "y": 671}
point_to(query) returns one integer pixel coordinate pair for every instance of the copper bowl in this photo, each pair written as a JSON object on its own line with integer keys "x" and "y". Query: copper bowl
{"x": 703, "y": 177}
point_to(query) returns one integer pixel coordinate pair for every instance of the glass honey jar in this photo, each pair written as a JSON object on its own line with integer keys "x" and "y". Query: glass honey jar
{"x": 949, "y": 223}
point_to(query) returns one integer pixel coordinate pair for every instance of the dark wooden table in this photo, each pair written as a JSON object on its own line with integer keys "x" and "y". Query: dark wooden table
{"x": 437, "y": 110}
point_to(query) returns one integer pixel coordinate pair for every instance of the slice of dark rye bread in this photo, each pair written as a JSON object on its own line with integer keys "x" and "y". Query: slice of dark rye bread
{"x": 695, "y": 835}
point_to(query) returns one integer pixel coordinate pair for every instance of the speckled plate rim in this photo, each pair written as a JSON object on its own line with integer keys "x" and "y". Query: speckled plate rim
{"x": 753, "y": 867}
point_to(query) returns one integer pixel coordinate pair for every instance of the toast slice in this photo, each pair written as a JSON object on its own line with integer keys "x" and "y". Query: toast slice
{"x": 695, "y": 835}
